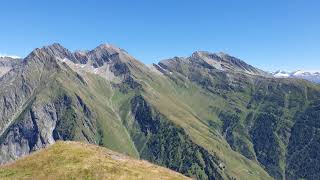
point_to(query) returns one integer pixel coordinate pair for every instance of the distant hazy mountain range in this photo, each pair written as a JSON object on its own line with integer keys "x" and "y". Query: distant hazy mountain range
{"x": 207, "y": 116}
{"x": 310, "y": 76}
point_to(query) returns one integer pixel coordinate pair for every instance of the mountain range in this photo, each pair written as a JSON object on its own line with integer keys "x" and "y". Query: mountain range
{"x": 207, "y": 116}
{"x": 300, "y": 74}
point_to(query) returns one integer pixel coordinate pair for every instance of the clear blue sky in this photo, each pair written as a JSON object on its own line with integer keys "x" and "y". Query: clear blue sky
{"x": 269, "y": 34}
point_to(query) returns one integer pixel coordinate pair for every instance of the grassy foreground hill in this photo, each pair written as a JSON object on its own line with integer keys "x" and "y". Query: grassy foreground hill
{"x": 76, "y": 160}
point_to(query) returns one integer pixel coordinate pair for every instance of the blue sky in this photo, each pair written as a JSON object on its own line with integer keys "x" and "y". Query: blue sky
{"x": 269, "y": 34}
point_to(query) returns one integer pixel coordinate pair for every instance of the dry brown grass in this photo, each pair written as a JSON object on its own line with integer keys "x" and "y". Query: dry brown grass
{"x": 75, "y": 160}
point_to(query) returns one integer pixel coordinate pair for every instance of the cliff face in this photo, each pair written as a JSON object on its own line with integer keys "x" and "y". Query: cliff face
{"x": 19, "y": 86}
{"x": 32, "y": 132}
{"x": 33, "y": 105}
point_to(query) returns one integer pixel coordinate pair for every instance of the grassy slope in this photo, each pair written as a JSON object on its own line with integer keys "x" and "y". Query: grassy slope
{"x": 98, "y": 97}
{"x": 167, "y": 97}
{"x": 74, "y": 160}
{"x": 198, "y": 111}
{"x": 186, "y": 107}
{"x": 96, "y": 93}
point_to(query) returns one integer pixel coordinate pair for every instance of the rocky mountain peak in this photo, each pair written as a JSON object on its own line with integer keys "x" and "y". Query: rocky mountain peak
{"x": 223, "y": 61}
{"x": 58, "y": 50}
{"x": 105, "y": 49}
{"x": 56, "y": 46}
{"x": 109, "y": 49}
{"x": 107, "y": 46}
{"x": 199, "y": 53}
{"x": 54, "y": 51}
{"x": 98, "y": 57}
{"x": 218, "y": 57}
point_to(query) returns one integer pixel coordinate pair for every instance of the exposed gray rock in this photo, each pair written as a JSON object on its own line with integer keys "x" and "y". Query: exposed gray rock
{"x": 219, "y": 61}
{"x": 19, "y": 84}
{"x": 32, "y": 132}
{"x": 6, "y": 64}
{"x": 41, "y": 124}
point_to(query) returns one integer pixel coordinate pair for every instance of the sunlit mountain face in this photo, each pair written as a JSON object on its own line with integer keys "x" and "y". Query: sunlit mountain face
{"x": 207, "y": 116}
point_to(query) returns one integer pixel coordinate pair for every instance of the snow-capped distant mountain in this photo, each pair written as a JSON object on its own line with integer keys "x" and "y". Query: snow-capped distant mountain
{"x": 281, "y": 74}
{"x": 9, "y": 56}
{"x": 311, "y": 76}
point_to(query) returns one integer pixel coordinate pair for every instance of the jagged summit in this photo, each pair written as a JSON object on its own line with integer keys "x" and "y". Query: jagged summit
{"x": 55, "y": 49}
{"x": 49, "y": 53}
{"x": 107, "y": 46}
{"x": 97, "y": 57}
{"x": 106, "y": 53}
{"x": 104, "y": 47}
